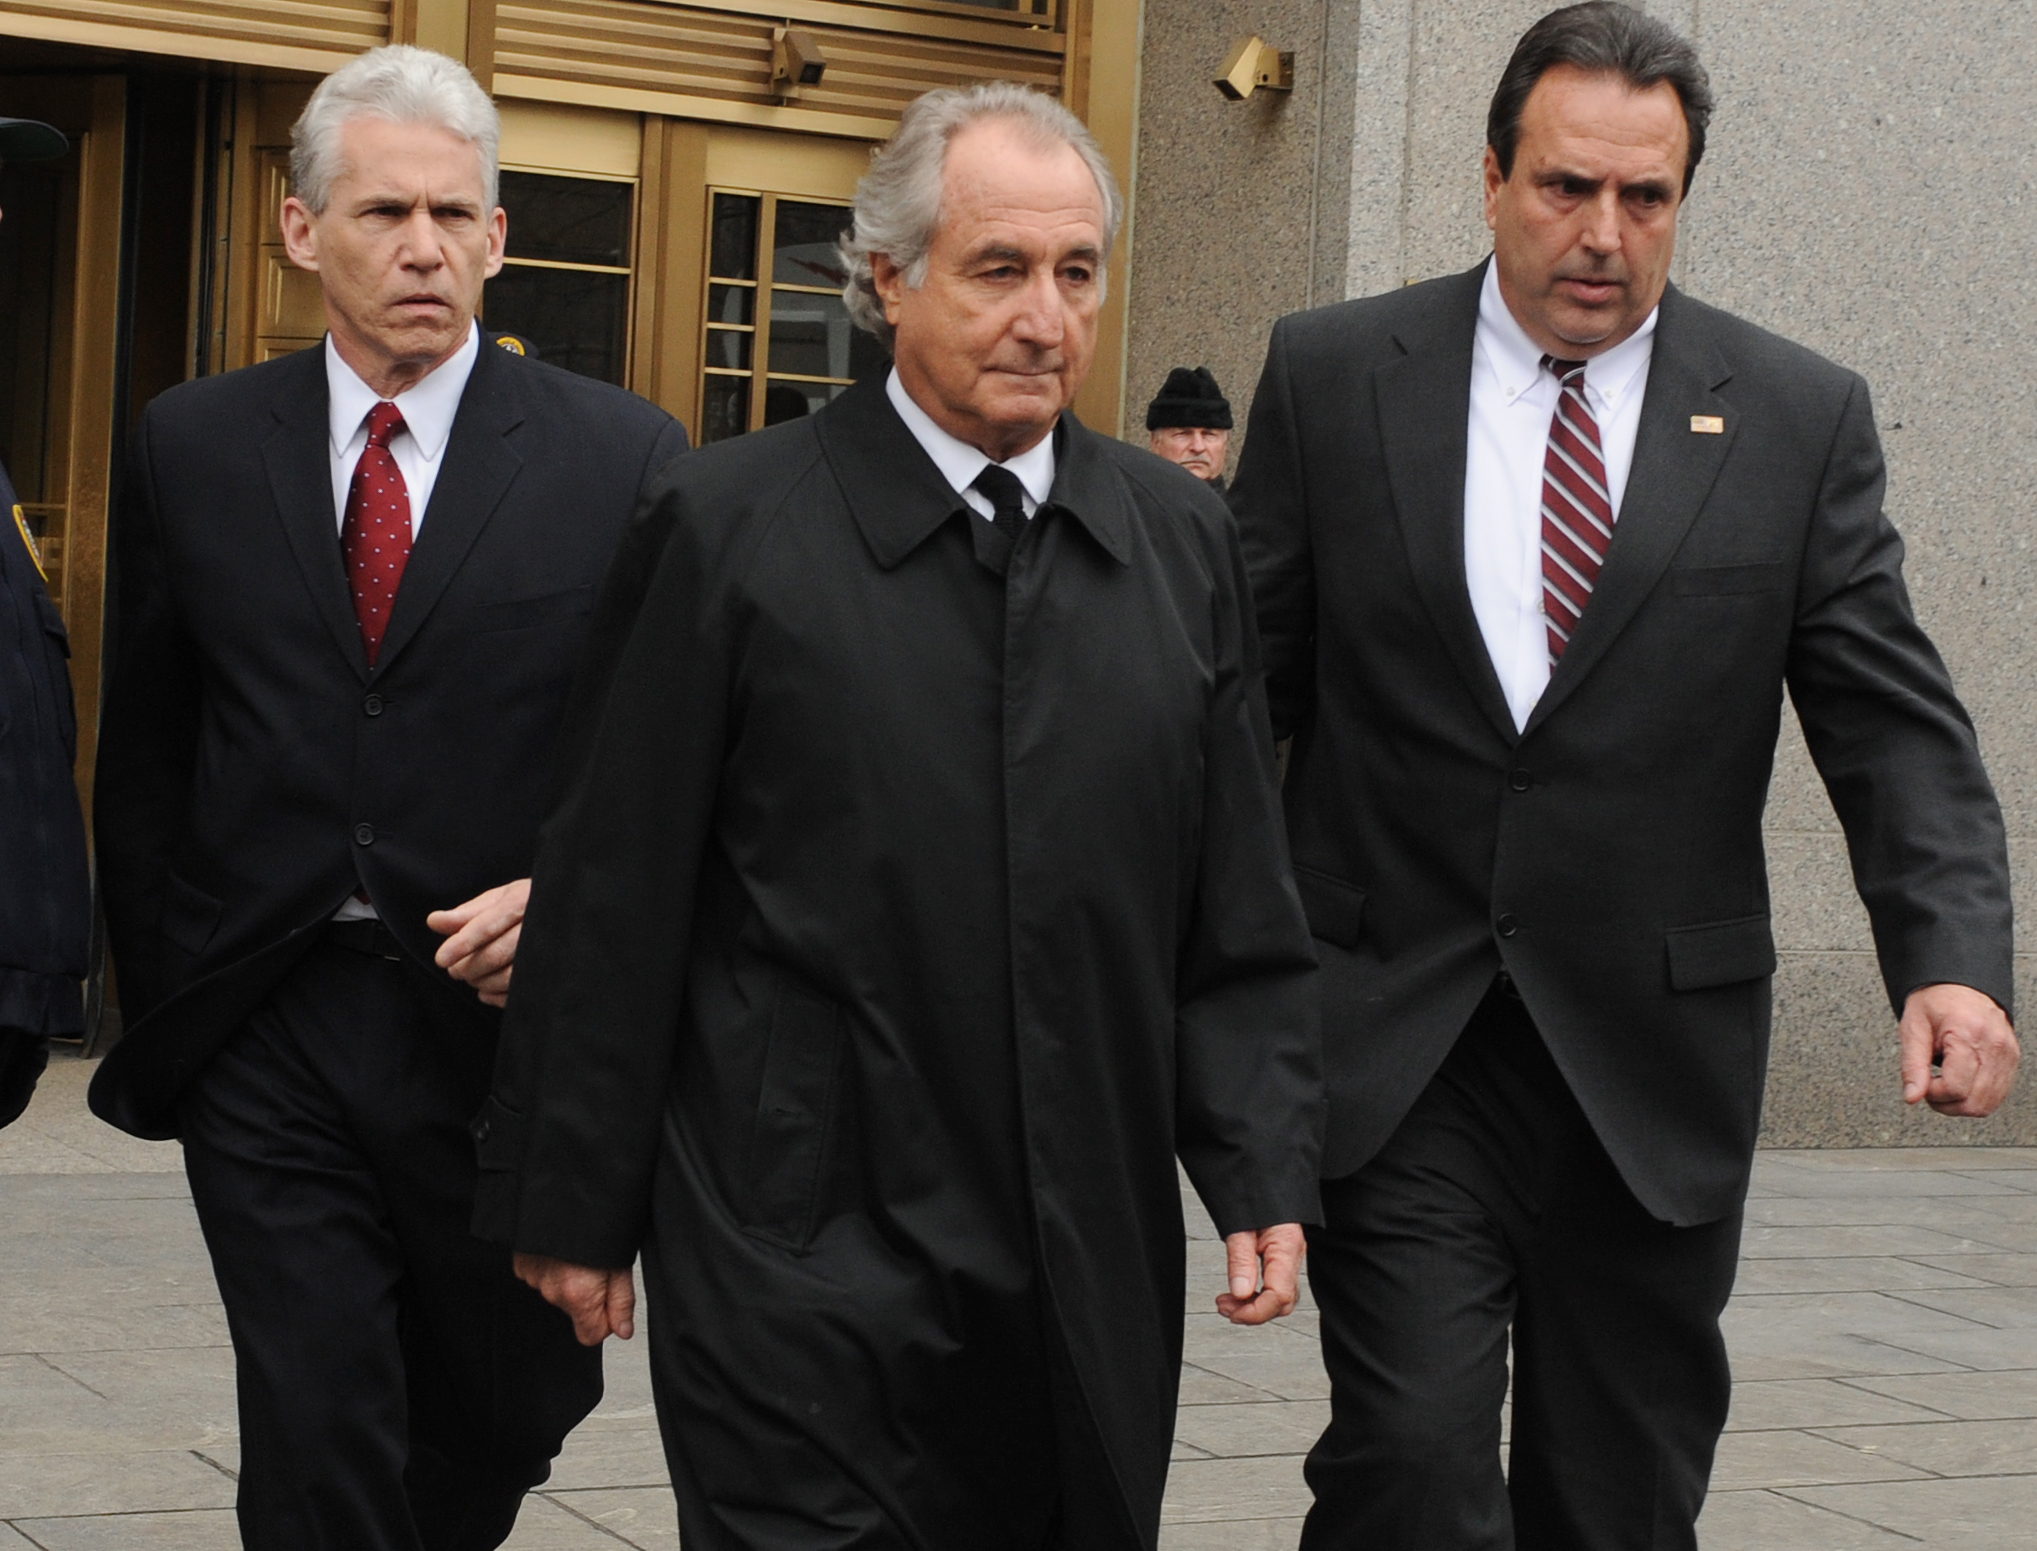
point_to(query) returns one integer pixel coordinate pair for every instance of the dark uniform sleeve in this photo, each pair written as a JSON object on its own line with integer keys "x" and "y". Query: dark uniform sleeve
{"x": 1271, "y": 503}
{"x": 148, "y": 735}
{"x": 1249, "y": 1105}
{"x": 1894, "y": 746}
{"x": 568, "y": 1140}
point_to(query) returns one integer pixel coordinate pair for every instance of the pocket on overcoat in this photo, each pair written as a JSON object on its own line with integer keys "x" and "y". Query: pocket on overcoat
{"x": 795, "y": 1114}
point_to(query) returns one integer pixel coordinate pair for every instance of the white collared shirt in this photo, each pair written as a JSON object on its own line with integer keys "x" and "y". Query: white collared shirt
{"x": 1512, "y": 402}
{"x": 960, "y": 463}
{"x": 428, "y": 410}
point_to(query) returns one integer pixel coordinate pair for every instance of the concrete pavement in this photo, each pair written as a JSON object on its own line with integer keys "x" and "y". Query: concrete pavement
{"x": 1884, "y": 1341}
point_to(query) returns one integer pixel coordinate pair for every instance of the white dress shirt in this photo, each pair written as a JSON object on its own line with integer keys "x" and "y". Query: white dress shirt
{"x": 960, "y": 463}
{"x": 428, "y": 410}
{"x": 1512, "y": 402}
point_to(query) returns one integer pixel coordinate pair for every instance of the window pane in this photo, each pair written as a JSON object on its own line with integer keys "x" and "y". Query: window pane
{"x": 803, "y": 248}
{"x": 812, "y": 336}
{"x": 726, "y": 347}
{"x": 791, "y": 400}
{"x": 731, "y": 304}
{"x": 733, "y": 254}
{"x": 569, "y": 220}
{"x": 576, "y": 319}
{"x": 724, "y": 408}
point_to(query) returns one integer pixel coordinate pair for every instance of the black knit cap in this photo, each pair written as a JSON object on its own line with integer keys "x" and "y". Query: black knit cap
{"x": 1190, "y": 397}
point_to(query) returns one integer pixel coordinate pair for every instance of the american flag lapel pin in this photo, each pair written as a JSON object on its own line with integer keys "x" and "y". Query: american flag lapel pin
{"x": 1708, "y": 425}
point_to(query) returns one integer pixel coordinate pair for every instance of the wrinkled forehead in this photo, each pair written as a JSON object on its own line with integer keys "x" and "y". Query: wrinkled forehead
{"x": 408, "y": 156}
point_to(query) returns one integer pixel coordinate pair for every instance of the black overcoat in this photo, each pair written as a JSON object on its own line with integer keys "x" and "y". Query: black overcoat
{"x": 903, "y": 924}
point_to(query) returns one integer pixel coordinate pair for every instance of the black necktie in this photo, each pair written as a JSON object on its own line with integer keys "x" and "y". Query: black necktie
{"x": 1007, "y": 499}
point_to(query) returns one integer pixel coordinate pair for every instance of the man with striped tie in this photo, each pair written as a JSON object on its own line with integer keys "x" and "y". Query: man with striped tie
{"x": 1536, "y": 552}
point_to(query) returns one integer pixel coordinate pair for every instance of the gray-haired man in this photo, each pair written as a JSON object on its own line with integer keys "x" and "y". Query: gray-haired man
{"x": 352, "y": 585}
{"x": 921, "y": 898}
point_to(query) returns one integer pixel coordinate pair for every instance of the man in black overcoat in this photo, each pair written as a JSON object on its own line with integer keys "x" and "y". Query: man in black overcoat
{"x": 45, "y": 892}
{"x": 1538, "y": 550}
{"x": 920, "y": 899}
{"x": 352, "y": 585}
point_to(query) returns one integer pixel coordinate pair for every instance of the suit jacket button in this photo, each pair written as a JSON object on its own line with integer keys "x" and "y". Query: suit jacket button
{"x": 1520, "y": 780}
{"x": 1507, "y": 926}
{"x": 372, "y": 705}
{"x": 481, "y": 1129}
{"x": 364, "y": 834}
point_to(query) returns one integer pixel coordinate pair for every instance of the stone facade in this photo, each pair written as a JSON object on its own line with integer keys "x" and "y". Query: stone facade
{"x": 1869, "y": 189}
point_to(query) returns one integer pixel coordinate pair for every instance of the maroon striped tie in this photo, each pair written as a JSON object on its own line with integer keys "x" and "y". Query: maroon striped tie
{"x": 1577, "y": 509}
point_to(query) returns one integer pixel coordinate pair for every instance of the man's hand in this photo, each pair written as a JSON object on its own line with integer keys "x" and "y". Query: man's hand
{"x": 480, "y": 939}
{"x": 600, "y": 1303}
{"x": 1967, "y": 1037}
{"x": 1265, "y": 1270}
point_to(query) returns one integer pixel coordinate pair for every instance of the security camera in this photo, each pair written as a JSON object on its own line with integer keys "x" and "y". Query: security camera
{"x": 796, "y": 60}
{"x": 1255, "y": 65}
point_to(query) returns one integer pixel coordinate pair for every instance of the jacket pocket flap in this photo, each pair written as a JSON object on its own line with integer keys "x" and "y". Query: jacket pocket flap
{"x": 190, "y": 915}
{"x": 1720, "y": 953}
{"x": 1335, "y": 909}
{"x": 498, "y": 1136}
{"x": 1711, "y": 581}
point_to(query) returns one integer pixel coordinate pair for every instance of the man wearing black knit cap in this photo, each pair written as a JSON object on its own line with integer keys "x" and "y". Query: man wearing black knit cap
{"x": 45, "y": 901}
{"x": 1190, "y": 422}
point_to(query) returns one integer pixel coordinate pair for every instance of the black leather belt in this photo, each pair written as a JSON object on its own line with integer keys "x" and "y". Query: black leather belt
{"x": 370, "y": 937}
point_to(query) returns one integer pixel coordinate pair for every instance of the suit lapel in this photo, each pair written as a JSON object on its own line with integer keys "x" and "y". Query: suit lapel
{"x": 1424, "y": 399}
{"x": 480, "y": 465}
{"x": 299, "y": 462}
{"x": 1673, "y": 472}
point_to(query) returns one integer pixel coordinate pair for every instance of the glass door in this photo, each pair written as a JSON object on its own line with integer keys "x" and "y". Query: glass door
{"x": 777, "y": 342}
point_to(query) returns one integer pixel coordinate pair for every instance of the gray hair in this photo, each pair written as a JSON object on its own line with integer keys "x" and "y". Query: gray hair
{"x": 400, "y": 85}
{"x": 898, "y": 201}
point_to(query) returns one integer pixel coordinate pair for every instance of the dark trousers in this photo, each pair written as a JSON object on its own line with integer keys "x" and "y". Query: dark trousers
{"x": 1494, "y": 1206}
{"x": 399, "y": 1389}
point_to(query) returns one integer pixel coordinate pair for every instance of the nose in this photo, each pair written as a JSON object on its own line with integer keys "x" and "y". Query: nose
{"x": 1602, "y": 223}
{"x": 421, "y": 248}
{"x": 1040, "y": 320}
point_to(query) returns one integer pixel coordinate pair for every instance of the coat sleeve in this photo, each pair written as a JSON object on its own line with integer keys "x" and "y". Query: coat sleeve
{"x": 568, "y": 1140}
{"x": 148, "y": 735}
{"x": 1895, "y": 748}
{"x": 1249, "y": 1096}
{"x": 1270, "y": 500}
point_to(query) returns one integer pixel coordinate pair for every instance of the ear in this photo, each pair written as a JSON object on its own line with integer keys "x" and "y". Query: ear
{"x": 889, "y": 280}
{"x": 498, "y": 241}
{"x": 300, "y": 234}
{"x": 1495, "y": 180}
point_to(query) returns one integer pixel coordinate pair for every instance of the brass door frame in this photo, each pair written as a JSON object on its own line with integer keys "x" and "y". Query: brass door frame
{"x": 92, "y": 111}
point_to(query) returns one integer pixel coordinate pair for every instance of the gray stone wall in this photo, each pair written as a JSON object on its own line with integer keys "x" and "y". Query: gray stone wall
{"x": 1870, "y": 190}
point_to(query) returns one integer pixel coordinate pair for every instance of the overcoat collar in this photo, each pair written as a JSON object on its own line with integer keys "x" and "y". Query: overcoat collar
{"x": 899, "y": 497}
{"x": 1424, "y": 403}
{"x": 481, "y": 462}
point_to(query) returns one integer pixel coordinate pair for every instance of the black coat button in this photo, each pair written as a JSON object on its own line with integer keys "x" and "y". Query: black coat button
{"x": 364, "y": 834}
{"x": 1507, "y": 925}
{"x": 1520, "y": 780}
{"x": 372, "y": 705}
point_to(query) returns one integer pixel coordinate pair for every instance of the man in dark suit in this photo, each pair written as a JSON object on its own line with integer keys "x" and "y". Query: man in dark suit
{"x": 1537, "y": 551}
{"x": 352, "y": 585}
{"x": 919, "y": 899}
{"x": 45, "y": 892}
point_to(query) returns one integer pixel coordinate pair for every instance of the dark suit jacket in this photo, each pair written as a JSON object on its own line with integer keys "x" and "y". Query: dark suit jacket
{"x": 1609, "y": 856}
{"x": 252, "y": 770}
{"x": 45, "y": 897}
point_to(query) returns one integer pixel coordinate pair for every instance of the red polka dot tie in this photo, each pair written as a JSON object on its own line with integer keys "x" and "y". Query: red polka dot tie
{"x": 375, "y": 537}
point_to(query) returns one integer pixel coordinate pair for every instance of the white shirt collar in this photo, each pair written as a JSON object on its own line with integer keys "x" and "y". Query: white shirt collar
{"x": 1517, "y": 360}
{"x": 428, "y": 407}
{"x": 960, "y": 463}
